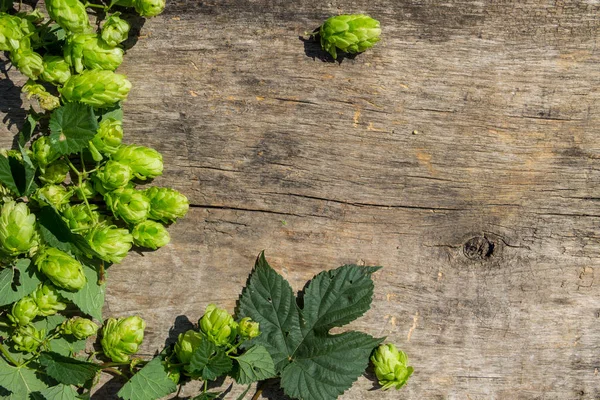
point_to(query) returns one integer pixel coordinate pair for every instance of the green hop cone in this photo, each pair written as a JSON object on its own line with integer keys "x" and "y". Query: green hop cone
{"x": 80, "y": 218}
{"x": 48, "y": 300}
{"x": 28, "y": 62}
{"x": 86, "y": 191}
{"x": 47, "y": 101}
{"x": 122, "y": 337}
{"x": 218, "y": 325}
{"x": 186, "y": 345}
{"x": 24, "y": 311}
{"x": 11, "y": 33}
{"x": 69, "y": 14}
{"x": 81, "y": 328}
{"x": 391, "y": 366}
{"x": 115, "y": 30}
{"x": 42, "y": 153}
{"x": 26, "y": 22}
{"x": 111, "y": 243}
{"x": 27, "y": 339}
{"x": 63, "y": 270}
{"x": 248, "y": 329}
{"x": 146, "y": 8}
{"x": 144, "y": 161}
{"x": 174, "y": 373}
{"x": 166, "y": 204}
{"x": 112, "y": 175}
{"x": 17, "y": 228}
{"x": 107, "y": 139}
{"x": 150, "y": 234}
{"x": 87, "y": 50}
{"x": 56, "y": 70}
{"x": 55, "y": 173}
{"x": 56, "y": 195}
{"x": 350, "y": 33}
{"x": 97, "y": 88}
{"x": 128, "y": 204}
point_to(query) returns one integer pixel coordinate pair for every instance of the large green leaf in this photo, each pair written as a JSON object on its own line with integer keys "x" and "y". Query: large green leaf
{"x": 60, "y": 392}
{"x": 90, "y": 298}
{"x": 72, "y": 126}
{"x": 56, "y": 233}
{"x": 254, "y": 365}
{"x": 6, "y": 175}
{"x": 313, "y": 364}
{"x": 67, "y": 370}
{"x": 115, "y": 112}
{"x": 17, "y": 282}
{"x": 209, "y": 361}
{"x": 149, "y": 383}
{"x": 17, "y": 175}
{"x": 20, "y": 381}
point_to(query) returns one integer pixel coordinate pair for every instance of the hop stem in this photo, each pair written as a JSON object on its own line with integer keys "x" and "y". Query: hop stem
{"x": 7, "y": 355}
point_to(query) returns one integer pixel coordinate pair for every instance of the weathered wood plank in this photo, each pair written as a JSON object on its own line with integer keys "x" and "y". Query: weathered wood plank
{"x": 470, "y": 120}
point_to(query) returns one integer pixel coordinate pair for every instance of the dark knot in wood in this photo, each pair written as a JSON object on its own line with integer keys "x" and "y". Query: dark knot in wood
{"x": 478, "y": 248}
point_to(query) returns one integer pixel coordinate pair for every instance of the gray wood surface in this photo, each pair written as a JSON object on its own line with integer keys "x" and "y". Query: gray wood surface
{"x": 461, "y": 153}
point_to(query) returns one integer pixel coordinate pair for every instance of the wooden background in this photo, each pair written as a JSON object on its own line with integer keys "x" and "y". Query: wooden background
{"x": 461, "y": 153}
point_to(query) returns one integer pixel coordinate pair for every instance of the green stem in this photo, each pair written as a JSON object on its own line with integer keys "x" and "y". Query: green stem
{"x": 95, "y": 6}
{"x": 205, "y": 386}
{"x": 4, "y": 324}
{"x": 80, "y": 187}
{"x": 115, "y": 371}
{"x": 7, "y": 355}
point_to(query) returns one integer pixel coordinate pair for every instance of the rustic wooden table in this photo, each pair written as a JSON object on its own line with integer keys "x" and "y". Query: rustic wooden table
{"x": 461, "y": 153}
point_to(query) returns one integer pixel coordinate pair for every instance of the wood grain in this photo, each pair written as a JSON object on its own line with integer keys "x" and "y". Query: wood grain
{"x": 461, "y": 153}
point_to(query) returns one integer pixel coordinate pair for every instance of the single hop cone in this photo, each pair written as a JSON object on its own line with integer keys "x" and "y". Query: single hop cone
{"x": 150, "y": 234}
{"x": 146, "y": 8}
{"x": 248, "y": 329}
{"x": 122, "y": 337}
{"x": 144, "y": 161}
{"x": 111, "y": 243}
{"x": 352, "y": 34}
{"x": 63, "y": 270}
{"x": 47, "y": 101}
{"x": 48, "y": 300}
{"x": 186, "y": 345}
{"x": 81, "y": 328}
{"x": 391, "y": 366}
{"x": 113, "y": 175}
{"x": 56, "y": 70}
{"x": 42, "y": 153}
{"x": 218, "y": 325}
{"x": 11, "y": 33}
{"x": 55, "y": 173}
{"x": 27, "y": 339}
{"x": 17, "y": 228}
{"x": 28, "y": 62}
{"x": 97, "y": 88}
{"x": 115, "y": 30}
{"x": 24, "y": 311}
{"x": 57, "y": 196}
{"x": 80, "y": 218}
{"x": 87, "y": 50}
{"x": 69, "y": 14}
{"x": 107, "y": 139}
{"x": 166, "y": 204}
{"x": 128, "y": 204}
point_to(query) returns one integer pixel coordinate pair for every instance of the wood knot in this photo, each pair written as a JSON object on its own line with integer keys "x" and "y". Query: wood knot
{"x": 478, "y": 248}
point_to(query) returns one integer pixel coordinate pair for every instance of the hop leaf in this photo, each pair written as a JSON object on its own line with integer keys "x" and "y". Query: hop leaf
{"x": 97, "y": 88}
{"x": 391, "y": 366}
{"x": 313, "y": 363}
{"x": 69, "y": 14}
{"x": 350, "y": 33}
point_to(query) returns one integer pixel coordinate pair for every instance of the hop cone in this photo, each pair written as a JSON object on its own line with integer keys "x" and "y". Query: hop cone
{"x": 56, "y": 195}
{"x": 55, "y": 173}
{"x": 69, "y": 14}
{"x": 80, "y": 219}
{"x": 122, "y": 337}
{"x": 48, "y": 300}
{"x": 17, "y": 228}
{"x": 112, "y": 176}
{"x": 146, "y": 8}
{"x": 144, "y": 161}
{"x": 350, "y": 33}
{"x": 110, "y": 242}
{"x": 24, "y": 311}
{"x": 248, "y": 329}
{"x": 81, "y": 328}
{"x": 56, "y": 70}
{"x": 115, "y": 30}
{"x": 150, "y": 234}
{"x": 391, "y": 366}
{"x": 97, "y": 88}
{"x": 47, "y": 101}
{"x": 218, "y": 325}
{"x": 63, "y": 270}
{"x": 87, "y": 50}
{"x": 128, "y": 204}
{"x": 42, "y": 153}
{"x": 28, "y": 62}
{"x": 166, "y": 204}
{"x": 186, "y": 345}
{"x": 86, "y": 190}
{"x": 107, "y": 139}
{"x": 10, "y": 33}
{"x": 27, "y": 339}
